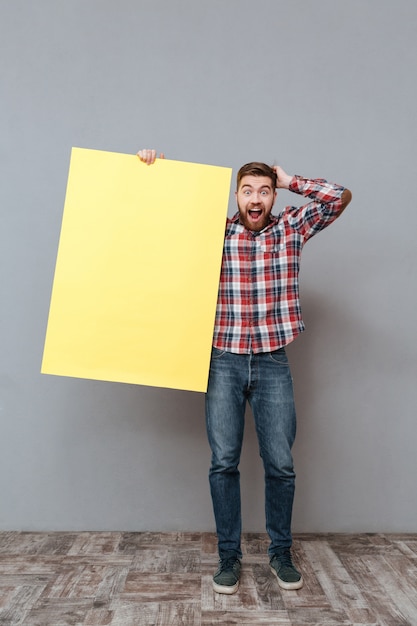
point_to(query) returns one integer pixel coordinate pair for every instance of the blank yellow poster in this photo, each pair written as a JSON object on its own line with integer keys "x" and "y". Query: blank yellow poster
{"x": 136, "y": 279}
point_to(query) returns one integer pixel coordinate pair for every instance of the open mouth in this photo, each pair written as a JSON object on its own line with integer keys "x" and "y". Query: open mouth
{"x": 255, "y": 214}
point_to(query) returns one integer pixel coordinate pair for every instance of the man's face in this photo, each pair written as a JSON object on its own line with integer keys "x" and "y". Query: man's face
{"x": 255, "y": 199}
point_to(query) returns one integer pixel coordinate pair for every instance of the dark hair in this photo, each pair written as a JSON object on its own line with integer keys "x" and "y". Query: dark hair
{"x": 256, "y": 169}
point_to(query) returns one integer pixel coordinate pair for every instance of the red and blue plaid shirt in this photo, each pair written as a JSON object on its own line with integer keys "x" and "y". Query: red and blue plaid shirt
{"x": 258, "y": 307}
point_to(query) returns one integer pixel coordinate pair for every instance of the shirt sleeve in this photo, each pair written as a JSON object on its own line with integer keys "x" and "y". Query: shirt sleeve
{"x": 325, "y": 205}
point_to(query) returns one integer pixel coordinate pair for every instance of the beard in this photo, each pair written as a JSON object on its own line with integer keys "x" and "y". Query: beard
{"x": 254, "y": 218}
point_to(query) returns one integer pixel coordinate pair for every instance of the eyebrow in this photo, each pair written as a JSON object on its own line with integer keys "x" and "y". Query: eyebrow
{"x": 251, "y": 187}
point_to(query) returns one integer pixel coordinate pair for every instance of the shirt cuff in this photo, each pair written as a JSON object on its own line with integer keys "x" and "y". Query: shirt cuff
{"x": 297, "y": 184}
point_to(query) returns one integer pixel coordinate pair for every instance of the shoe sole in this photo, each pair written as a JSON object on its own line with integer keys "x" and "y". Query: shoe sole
{"x": 227, "y": 589}
{"x": 287, "y": 586}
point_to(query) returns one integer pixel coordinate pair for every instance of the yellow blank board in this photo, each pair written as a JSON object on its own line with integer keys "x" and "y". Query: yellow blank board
{"x": 137, "y": 273}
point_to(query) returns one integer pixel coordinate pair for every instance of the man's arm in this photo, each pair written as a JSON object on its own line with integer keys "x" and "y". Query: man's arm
{"x": 328, "y": 201}
{"x": 284, "y": 181}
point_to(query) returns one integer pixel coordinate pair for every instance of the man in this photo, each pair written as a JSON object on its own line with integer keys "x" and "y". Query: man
{"x": 258, "y": 314}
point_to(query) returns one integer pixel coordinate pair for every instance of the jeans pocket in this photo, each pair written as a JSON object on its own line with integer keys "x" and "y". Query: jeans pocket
{"x": 279, "y": 356}
{"x": 216, "y": 353}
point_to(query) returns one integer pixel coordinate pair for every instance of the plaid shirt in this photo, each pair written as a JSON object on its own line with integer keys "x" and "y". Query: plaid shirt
{"x": 258, "y": 307}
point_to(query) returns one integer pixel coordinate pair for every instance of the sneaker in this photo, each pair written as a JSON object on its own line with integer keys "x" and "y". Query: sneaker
{"x": 282, "y": 566}
{"x": 226, "y": 579}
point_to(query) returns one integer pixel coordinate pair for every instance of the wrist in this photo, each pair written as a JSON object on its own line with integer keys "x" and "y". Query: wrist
{"x": 285, "y": 182}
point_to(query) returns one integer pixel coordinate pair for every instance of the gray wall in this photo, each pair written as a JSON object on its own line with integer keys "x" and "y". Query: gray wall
{"x": 325, "y": 88}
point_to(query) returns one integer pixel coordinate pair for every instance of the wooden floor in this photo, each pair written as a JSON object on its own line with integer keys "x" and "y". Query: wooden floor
{"x": 155, "y": 579}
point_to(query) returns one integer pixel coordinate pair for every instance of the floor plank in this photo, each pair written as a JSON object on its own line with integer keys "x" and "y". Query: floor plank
{"x": 165, "y": 579}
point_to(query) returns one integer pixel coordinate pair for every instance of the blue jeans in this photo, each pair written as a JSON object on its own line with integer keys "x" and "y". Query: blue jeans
{"x": 264, "y": 380}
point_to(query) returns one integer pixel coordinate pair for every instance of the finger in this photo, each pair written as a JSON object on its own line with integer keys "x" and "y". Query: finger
{"x": 143, "y": 155}
{"x": 147, "y": 156}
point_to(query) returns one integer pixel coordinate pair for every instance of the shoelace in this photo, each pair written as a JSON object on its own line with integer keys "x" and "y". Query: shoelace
{"x": 285, "y": 559}
{"x": 227, "y": 563}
